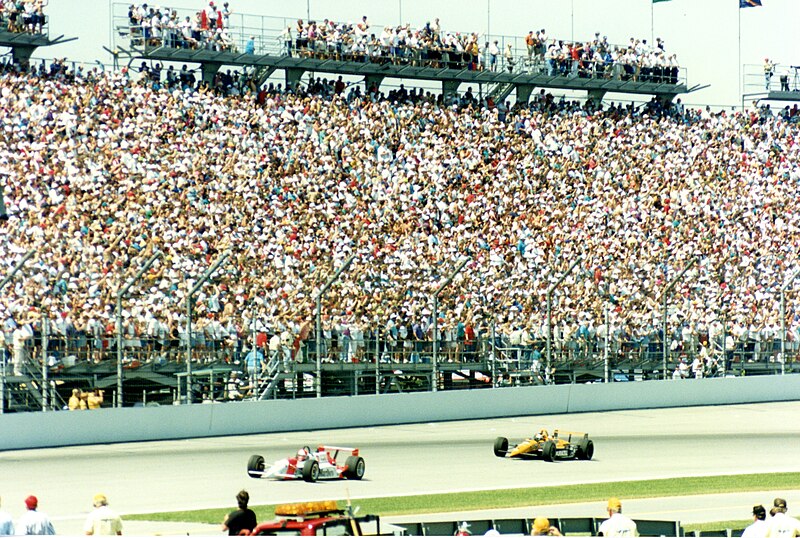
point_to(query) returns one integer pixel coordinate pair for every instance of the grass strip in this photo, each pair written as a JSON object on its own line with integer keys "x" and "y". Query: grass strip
{"x": 522, "y": 497}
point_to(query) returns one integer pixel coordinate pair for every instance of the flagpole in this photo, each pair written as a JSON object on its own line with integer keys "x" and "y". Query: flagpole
{"x": 572, "y": 23}
{"x": 652, "y": 25}
{"x": 741, "y": 83}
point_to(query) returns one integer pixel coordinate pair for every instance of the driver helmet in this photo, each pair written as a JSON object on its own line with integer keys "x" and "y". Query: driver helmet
{"x": 302, "y": 454}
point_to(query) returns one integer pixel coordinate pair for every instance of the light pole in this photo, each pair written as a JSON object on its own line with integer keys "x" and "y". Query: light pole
{"x": 120, "y": 295}
{"x": 318, "y": 328}
{"x": 6, "y": 280}
{"x": 435, "y": 374}
{"x": 189, "y": 307}
{"x": 550, "y": 314}
{"x": 664, "y": 297}
{"x": 786, "y": 284}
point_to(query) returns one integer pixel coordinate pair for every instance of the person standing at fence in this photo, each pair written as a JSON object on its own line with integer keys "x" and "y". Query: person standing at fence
{"x": 33, "y": 521}
{"x": 757, "y": 529}
{"x": 240, "y": 519}
{"x": 102, "y": 521}
{"x": 20, "y": 338}
{"x": 77, "y": 402}
{"x": 95, "y": 399}
{"x": 6, "y": 523}
{"x": 617, "y": 524}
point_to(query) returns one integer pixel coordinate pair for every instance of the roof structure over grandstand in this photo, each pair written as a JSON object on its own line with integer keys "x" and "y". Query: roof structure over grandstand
{"x": 269, "y": 52}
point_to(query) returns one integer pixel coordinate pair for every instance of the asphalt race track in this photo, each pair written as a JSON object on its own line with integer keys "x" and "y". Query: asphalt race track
{"x": 421, "y": 458}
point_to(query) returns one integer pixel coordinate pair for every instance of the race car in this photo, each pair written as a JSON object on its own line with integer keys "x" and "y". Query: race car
{"x": 310, "y": 465}
{"x": 560, "y": 445}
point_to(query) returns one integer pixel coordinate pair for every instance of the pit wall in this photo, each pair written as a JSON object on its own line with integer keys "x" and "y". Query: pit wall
{"x": 65, "y": 428}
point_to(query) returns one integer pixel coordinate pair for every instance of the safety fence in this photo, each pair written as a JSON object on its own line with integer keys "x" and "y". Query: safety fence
{"x": 162, "y": 371}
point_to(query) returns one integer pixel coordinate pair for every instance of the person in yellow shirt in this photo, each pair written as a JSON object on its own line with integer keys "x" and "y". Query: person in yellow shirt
{"x": 95, "y": 399}
{"x": 77, "y": 402}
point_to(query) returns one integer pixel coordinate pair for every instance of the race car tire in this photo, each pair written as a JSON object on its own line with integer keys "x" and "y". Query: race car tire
{"x": 500, "y": 447}
{"x": 549, "y": 451}
{"x": 311, "y": 471}
{"x": 255, "y": 466}
{"x": 586, "y": 450}
{"x": 355, "y": 468}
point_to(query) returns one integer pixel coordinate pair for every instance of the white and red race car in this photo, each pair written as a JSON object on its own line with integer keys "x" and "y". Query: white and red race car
{"x": 310, "y": 465}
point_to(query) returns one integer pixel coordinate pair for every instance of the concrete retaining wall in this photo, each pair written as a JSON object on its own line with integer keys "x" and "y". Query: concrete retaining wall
{"x": 39, "y": 430}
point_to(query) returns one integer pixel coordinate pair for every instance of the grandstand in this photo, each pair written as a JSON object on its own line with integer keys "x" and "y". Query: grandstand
{"x": 159, "y": 232}
{"x": 362, "y": 50}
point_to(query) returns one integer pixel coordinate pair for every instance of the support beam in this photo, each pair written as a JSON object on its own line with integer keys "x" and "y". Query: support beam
{"x": 372, "y": 80}
{"x": 293, "y": 76}
{"x": 596, "y": 95}
{"x": 209, "y": 71}
{"x": 450, "y": 88}
{"x": 524, "y": 92}
{"x": 22, "y": 54}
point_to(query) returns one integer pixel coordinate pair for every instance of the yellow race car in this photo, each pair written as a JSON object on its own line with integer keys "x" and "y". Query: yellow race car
{"x": 559, "y": 445}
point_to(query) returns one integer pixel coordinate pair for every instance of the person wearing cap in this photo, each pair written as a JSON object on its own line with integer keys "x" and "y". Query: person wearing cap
{"x": 757, "y": 529}
{"x": 617, "y": 524}
{"x": 780, "y": 524}
{"x": 541, "y": 527}
{"x": 241, "y": 518}
{"x": 33, "y": 521}
{"x": 6, "y": 523}
{"x": 102, "y": 521}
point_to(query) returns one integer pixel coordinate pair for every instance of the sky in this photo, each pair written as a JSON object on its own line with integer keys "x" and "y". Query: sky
{"x": 705, "y": 34}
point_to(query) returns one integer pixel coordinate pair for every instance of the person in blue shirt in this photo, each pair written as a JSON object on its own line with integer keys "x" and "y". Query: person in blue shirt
{"x": 250, "y": 47}
{"x": 6, "y": 524}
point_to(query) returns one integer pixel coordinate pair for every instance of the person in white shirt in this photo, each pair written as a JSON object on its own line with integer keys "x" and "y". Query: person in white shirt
{"x": 32, "y": 521}
{"x": 617, "y": 524}
{"x": 781, "y": 525}
{"x": 102, "y": 521}
{"x": 6, "y": 524}
{"x": 757, "y": 529}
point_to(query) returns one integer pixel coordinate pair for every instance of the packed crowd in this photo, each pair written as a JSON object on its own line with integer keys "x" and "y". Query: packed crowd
{"x": 23, "y": 16}
{"x": 426, "y": 46}
{"x": 100, "y": 175}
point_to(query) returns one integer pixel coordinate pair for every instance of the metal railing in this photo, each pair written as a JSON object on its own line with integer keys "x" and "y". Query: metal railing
{"x": 371, "y": 362}
{"x": 265, "y": 35}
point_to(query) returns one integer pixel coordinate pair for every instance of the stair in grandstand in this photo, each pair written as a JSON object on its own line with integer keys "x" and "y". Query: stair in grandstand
{"x": 500, "y": 91}
{"x": 261, "y": 74}
{"x": 272, "y": 377}
{"x": 27, "y": 392}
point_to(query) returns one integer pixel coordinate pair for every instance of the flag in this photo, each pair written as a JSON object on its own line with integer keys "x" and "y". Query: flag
{"x": 749, "y": 3}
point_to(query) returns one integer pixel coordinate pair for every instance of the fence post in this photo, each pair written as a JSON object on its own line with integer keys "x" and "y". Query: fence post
{"x": 189, "y": 299}
{"x": 378, "y": 358}
{"x": 6, "y": 280}
{"x": 318, "y": 328}
{"x": 120, "y": 295}
{"x": 664, "y": 297}
{"x": 45, "y": 393}
{"x": 435, "y": 373}
{"x": 783, "y": 319}
{"x": 550, "y": 316}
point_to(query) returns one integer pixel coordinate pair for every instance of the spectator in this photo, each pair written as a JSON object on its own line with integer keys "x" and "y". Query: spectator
{"x": 32, "y": 521}
{"x": 77, "y": 402}
{"x": 241, "y": 519}
{"x": 617, "y": 524}
{"x": 541, "y": 527}
{"x": 6, "y": 523}
{"x": 781, "y": 524}
{"x": 94, "y": 400}
{"x": 102, "y": 521}
{"x": 757, "y": 529}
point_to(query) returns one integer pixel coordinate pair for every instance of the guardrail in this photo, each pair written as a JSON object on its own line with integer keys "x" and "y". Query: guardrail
{"x": 268, "y": 35}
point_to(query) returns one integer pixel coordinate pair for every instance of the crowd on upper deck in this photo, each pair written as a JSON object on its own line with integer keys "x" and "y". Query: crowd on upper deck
{"x": 101, "y": 170}
{"x": 430, "y": 45}
{"x": 23, "y": 16}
